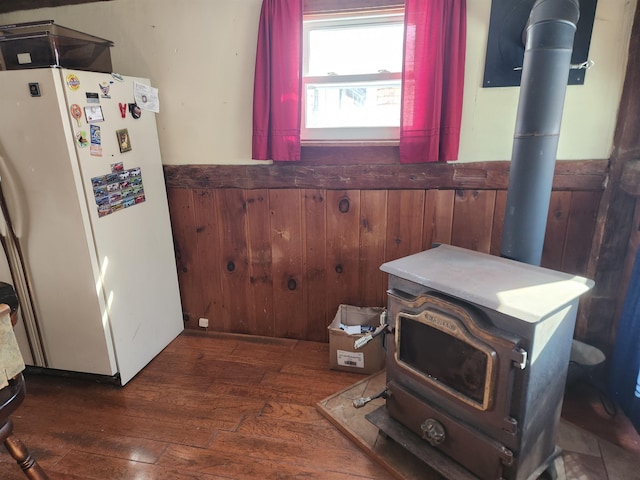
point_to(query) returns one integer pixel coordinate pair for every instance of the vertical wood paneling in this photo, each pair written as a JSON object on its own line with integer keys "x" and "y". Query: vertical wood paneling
{"x": 473, "y": 218}
{"x": 438, "y": 217}
{"x": 208, "y": 258}
{"x": 185, "y": 245}
{"x": 287, "y": 268}
{"x": 556, "y": 232}
{"x": 315, "y": 274}
{"x": 373, "y": 232}
{"x": 343, "y": 248}
{"x": 278, "y": 262}
{"x": 498, "y": 220}
{"x": 405, "y": 218}
{"x": 580, "y": 225}
{"x": 260, "y": 278}
{"x": 234, "y": 268}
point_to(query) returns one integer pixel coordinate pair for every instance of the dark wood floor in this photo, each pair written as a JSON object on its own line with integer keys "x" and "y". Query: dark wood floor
{"x": 214, "y": 407}
{"x": 208, "y": 407}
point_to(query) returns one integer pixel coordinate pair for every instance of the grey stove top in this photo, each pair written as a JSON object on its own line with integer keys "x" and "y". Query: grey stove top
{"x": 517, "y": 289}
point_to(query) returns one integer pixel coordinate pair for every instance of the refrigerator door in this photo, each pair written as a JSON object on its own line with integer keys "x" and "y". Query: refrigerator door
{"x": 129, "y": 216}
{"x": 41, "y": 184}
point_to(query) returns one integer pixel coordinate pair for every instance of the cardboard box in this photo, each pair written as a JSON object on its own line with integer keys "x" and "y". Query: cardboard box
{"x": 342, "y": 354}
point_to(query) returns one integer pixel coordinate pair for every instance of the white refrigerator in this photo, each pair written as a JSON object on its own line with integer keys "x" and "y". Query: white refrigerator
{"x": 85, "y": 222}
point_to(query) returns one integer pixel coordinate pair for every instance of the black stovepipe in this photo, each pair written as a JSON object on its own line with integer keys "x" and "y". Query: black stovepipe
{"x": 549, "y": 36}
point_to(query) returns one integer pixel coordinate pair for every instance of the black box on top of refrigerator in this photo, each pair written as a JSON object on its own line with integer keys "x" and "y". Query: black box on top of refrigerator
{"x": 45, "y": 44}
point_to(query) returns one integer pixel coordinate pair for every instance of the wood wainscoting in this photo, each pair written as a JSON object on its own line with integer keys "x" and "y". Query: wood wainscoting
{"x": 274, "y": 250}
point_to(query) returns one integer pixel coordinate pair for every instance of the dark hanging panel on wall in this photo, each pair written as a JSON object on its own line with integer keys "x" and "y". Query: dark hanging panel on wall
{"x": 505, "y": 47}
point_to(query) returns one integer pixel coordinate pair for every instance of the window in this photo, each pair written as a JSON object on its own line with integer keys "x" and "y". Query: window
{"x": 352, "y": 70}
{"x": 336, "y": 104}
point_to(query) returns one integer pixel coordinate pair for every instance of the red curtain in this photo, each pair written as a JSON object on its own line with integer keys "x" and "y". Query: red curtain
{"x": 432, "y": 80}
{"x": 277, "y": 84}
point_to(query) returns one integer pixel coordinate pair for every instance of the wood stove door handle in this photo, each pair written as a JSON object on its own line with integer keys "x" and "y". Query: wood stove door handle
{"x": 412, "y": 301}
{"x": 394, "y": 292}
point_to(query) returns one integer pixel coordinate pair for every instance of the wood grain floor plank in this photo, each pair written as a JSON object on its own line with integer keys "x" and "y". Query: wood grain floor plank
{"x": 16, "y": 474}
{"x": 99, "y": 467}
{"x": 58, "y": 443}
{"x": 310, "y": 454}
{"x": 143, "y": 404}
{"x": 240, "y": 467}
{"x": 108, "y": 421}
{"x": 293, "y": 431}
{"x": 290, "y": 411}
{"x": 304, "y": 384}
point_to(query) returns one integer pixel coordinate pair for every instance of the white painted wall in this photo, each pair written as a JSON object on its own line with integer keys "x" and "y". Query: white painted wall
{"x": 590, "y": 114}
{"x": 201, "y": 56}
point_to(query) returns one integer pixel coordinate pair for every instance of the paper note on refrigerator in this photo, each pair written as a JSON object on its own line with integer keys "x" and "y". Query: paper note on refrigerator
{"x": 146, "y": 97}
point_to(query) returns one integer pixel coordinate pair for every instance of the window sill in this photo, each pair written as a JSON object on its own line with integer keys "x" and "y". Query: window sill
{"x": 350, "y": 153}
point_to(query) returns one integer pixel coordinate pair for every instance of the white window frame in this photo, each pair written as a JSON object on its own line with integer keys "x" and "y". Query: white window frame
{"x": 346, "y": 135}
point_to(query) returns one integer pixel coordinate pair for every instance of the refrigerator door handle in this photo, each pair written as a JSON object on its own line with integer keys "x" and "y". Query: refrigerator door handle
{"x": 3, "y": 225}
{"x": 15, "y": 216}
{"x": 19, "y": 273}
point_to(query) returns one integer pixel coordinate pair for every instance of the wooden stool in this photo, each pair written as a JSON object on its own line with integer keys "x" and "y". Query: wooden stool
{"x": 10, "y": 399}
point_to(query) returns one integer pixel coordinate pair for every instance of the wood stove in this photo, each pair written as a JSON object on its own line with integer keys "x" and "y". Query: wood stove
{"x": 477, "y": 358}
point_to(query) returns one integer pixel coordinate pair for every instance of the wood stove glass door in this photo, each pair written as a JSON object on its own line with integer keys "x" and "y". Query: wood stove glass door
{"x": 441, "y": 350}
